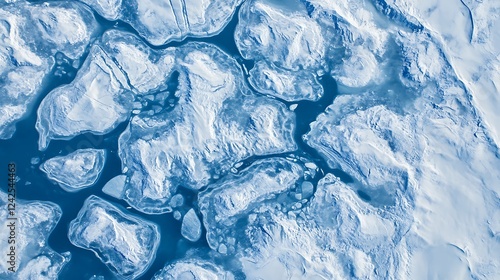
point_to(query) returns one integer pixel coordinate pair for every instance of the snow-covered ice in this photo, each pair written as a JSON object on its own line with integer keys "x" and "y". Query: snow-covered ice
{"x": 160, "y": 22}
{"x": 77, "y": 170}
{"x": 225, "y": 202}
{"x": 30, "y": 36}
{"x": 191, "y": 226}
{"x": 193, "y": 269}
{"x": 336, "y": 236}
{"x": 216, "y": 122}
{"x": 125, "y": 243}
{"x": 35, "y": 221}
{"x": 288, "y": 47}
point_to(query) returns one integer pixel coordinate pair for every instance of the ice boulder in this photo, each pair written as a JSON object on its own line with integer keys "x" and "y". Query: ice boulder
{"x": 125, "y": 243}
{"x": 33, "y": 223}
{"x": 216, "y": 122}
{"x": 77, "y": 170}
{"x": 31, "y": 34}
{"x": 161, "y": 21}
{"x": 232, "y": 199}
{"x": 193, "y": 269}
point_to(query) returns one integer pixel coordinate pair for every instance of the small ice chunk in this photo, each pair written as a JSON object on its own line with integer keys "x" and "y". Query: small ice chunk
{"x": 307, "y": 189}
{"x": 177, "y": 215}
{"x": 125, "y": 243}
{"x": 77, "y": 170}
{"x": 191, "y": 226}
{"x": 193, "y": 269}
{"x": 311, "y": 165}
{"x": 177, "y": 201}
{"x": 114, "y": 187}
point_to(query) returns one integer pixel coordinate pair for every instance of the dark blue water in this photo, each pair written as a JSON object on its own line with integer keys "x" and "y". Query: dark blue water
{"x": 22, "y": 147}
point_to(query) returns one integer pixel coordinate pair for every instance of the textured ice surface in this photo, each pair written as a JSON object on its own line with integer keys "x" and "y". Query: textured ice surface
{"x": 118, "y": 69}
{"x": 160, "y": 21}
{"x": 285, "y": 84}
{"x": 467, "y": 32}
{"x": 193, "y": 269}
{"x": 77, "y": 170}
{"x": 224, "y": 203}
{"x": 216, "y": 122}
{"x": 35, "y": 221}
{"x": 94, "y": 101}
{"x": 336, "y": 236}
{"x": 30, "y": 36}
{"x": 191, "y": 226}
{"x": 284, "y": 42}
{"x": 125, "y": 243}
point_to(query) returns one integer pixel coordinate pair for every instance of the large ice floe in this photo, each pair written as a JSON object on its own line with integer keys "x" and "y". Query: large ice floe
{"x": 125, "y": 243}
{"x": 160, "y": 21}
{"x": 31, "y": 34}
{"x": 288, "y": 46}
{"x": 226, "y": 202}
{"x": 336, "y": 235}
{"x": 119, "y": 69}
{"x": 34, "y": 259}
{"x": 216, "y": 123}
{"x": 77, "y": 170}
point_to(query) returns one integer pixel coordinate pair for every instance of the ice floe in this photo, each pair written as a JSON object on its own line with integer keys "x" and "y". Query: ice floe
{"x": 160, "y": 22}
{"x": 31, "y": 34}
{"x": 77, "y": 170}
{"x": 216, "y": 122}
{"x": 125, "y": 243}
{"x": 288, "y": 47}
{"x": 34, "y": 258}
{"x": 224, "y": 203}
{"x": 193, "y": 269}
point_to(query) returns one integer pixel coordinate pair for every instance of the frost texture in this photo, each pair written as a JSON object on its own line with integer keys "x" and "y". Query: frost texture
{"x": 35, "y": 221}
{"x": 125, "y": 243}
{"x": 224, "y": 203}
{"x": 30, "y": 37}
{"x": 193, "y": 269}
{"x": 288, "y": 46}
{"x": 160, "y": 21}
{"x": 216, "y": 122}
{"x": 77, "y": 170}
